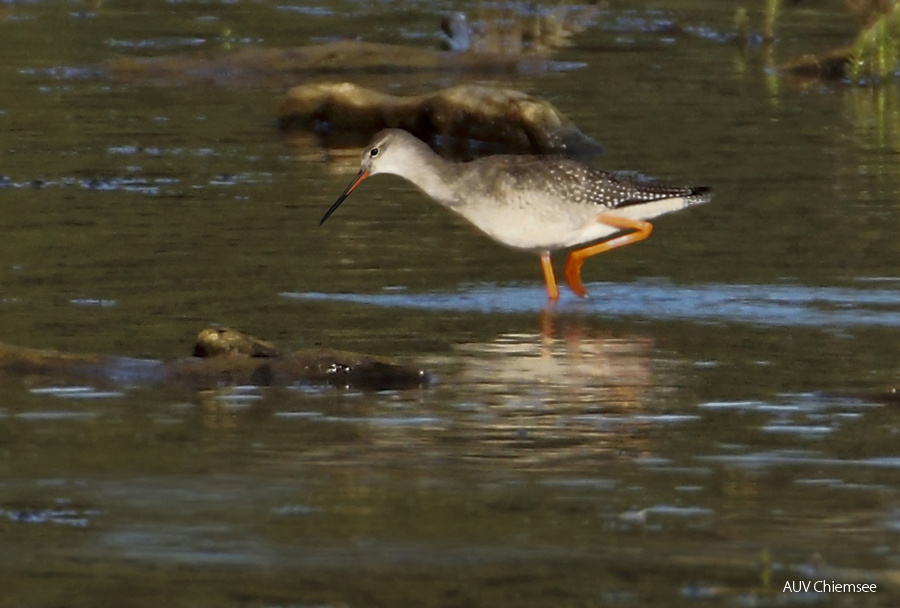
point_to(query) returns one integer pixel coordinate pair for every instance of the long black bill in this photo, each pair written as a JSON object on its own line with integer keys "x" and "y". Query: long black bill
{"x": 363, "y": 174}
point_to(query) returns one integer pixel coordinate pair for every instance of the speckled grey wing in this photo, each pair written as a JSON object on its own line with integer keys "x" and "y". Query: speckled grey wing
{"x": 575, "y": 183}
{"x": 617, "y": 190}
{"x": 625, "y": 190}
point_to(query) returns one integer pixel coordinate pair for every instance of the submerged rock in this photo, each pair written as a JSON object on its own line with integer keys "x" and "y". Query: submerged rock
{"x": 833, "y": 65}
{"x": 517, "y": 29}
{"x": 461, "y": 121}
{"x": 502, "y": 38}
{"x": 871, "y": 58}
{"x": 282, "y": 66}
{"x": 890, "y": 395}
{"x": 222, "y": 357}
{"x": 214, "y": 341}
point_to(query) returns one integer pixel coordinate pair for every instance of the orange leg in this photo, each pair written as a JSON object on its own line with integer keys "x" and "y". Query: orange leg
{"x": 549, "y": 279}
{"x": 578, "y": 256}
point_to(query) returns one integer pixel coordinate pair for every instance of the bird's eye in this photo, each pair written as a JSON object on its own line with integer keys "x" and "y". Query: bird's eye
{"x": 373, "y": 153}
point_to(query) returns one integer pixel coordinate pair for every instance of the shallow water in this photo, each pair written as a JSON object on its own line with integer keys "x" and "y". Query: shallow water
{"x": 706, "y": 427}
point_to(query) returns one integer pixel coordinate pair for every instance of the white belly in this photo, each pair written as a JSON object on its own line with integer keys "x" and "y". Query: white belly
{"x": 549, "y": 228}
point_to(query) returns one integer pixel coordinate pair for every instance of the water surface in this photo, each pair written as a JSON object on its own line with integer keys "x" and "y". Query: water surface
{"x": 704, "y": 428}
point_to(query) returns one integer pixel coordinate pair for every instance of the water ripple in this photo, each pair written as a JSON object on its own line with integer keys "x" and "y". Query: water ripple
{"x": 777, "y": 305}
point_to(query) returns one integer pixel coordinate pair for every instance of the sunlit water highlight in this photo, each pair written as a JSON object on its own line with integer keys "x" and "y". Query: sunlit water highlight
{"x": 778, "y": 305}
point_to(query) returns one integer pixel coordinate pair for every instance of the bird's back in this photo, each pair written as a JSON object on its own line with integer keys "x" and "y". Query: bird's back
{"x": 567, "y": 182}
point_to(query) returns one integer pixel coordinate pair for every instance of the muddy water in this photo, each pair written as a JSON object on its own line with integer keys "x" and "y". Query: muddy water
{"x": 702, "y": 430}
